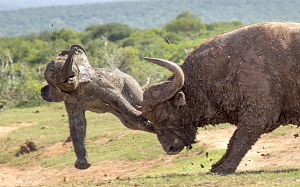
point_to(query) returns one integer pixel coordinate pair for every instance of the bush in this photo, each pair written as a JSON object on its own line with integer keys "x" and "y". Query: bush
{"x": 19, "y": 85}
{"x": 112, "y": 31}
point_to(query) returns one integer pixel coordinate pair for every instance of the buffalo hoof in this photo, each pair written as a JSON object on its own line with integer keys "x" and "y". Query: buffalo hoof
{"x": 82, "y": 165}
{"x": 222, "y": 171}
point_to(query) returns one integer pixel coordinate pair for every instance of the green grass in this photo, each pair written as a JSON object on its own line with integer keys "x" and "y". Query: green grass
{"x": 50, "y": 125}
{"x": 127, "y": 146}
{"x": 285, "y": 130}
{"x": 46, "y": 113}
{"x": 186, "y": 163}
{"x": 219, "y": 126}
{"x": 252, "y": 178}
{"x": 203, "y": 179}
{"x": 108, "y": 140}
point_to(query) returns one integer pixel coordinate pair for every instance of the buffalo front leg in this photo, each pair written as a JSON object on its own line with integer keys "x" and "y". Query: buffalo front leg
{"x": 252, "y": 124}
{"x": 77, "y": 125}
{"x": 239, "y": 144}
{"x": 255, "y": 116}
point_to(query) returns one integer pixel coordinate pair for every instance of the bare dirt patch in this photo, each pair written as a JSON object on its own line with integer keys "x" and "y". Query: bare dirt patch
{"x": 4, "y": 130}
{"x": 58, "y": 149}
{"x": 38, "y": 175}
{"x": 215, "y": 138}
{"x": 281, "y": 151}
{"x": 273, "y": 152}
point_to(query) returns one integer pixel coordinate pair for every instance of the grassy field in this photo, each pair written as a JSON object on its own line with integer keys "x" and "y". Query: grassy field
{"x": 255, "y": 178}
{"x": 121, "y": 157}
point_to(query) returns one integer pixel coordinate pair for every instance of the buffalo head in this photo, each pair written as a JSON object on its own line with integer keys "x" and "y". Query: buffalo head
{"x": 163, "y": 105}
{"x": 64, "y": 74}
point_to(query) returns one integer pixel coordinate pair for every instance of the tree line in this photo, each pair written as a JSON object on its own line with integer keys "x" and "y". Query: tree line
{"x": 144, "y": 14}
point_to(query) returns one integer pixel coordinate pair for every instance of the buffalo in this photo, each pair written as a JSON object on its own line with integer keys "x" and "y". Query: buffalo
{"x": 71, "y": 79}
{"x": 249, "y": 77}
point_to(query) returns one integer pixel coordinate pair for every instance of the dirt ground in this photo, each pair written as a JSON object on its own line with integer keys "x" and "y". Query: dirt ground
{"x": 269, "y": 152}
{"x": 4, "y": 130}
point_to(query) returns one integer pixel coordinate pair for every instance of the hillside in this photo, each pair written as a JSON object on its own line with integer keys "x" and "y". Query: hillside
{"x": 143, "y": 14}
{"x": 19, "y": 4}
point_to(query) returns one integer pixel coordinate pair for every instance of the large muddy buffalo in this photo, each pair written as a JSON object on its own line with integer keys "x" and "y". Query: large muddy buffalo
{"x": 249, "y": 77}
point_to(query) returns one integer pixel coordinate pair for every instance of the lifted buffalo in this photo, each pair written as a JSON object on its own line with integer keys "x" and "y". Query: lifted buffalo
{"x": 249, "y": 77}
{"x": 71, "y": 79}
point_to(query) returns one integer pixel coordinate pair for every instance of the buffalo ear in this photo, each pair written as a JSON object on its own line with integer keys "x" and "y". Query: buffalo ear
{"x": 180, "y": 99}
{"x": 51, "y": 94}
{"x": 86, "y": 71}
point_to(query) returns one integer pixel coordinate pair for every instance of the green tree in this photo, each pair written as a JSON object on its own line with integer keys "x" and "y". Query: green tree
{"x": 185, "y": 22}
{"x": 113, "y": 31}
{"x": 187, "y": 14}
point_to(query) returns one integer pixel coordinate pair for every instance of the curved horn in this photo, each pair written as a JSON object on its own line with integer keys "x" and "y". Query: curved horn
{"x": 67, "y": 67}
{"x": 178, "y": 81}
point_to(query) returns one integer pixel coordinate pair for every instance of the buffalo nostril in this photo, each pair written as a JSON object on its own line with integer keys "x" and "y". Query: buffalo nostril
{"x": 171, "y": 149}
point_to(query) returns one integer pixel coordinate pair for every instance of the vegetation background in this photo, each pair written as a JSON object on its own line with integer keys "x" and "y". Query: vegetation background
{"x": 22, "y": 4}
{"x": 142, "y": 14}
{"x": 23, "y": 58}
